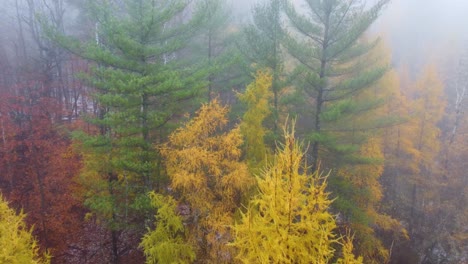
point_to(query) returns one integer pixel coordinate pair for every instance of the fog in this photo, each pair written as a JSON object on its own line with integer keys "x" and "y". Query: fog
{"x": 417, "y": 31}
{"x": 98, "y": 107}
{"x": 422, "y": 30}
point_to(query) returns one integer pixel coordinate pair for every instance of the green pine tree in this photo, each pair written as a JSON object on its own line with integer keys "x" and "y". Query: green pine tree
{"x": 261, "y": 46}
{"x": 143, "y": 80}
{"x": 330, "y": 52}
{"x": 337, "y": 74}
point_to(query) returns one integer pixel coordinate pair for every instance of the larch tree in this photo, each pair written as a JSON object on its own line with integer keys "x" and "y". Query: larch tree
{"x": 205, "y": 170}
{"x": 167, "y": 242}
{"x": 142, "y": 84}
{"x": 256, "y": 98}
{"x": 412, "y": 171}
{"x": 288, "y": 221}
{"x": 16, "y": 240}
{"x": 429, "y": 107}
{"x": 454, "y": 201}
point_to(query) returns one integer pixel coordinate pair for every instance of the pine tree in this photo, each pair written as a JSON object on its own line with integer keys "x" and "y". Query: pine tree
{"x": 288, "y": 221}
{"x": 261, "y": 46}
{"x": 205, "y": 169}
{"x": 17, "y": 243}
{"x": 337, "y": 72}
{"x": 142, "y": 83}
{"x": 216, "y": 45}
{"x": 326, "y": 41}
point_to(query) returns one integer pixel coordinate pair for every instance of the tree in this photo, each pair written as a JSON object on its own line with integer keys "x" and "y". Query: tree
{"x": 326, "y": 41}
{"x": 412, "y": 153}
{"x": 16, "y": 240}
{"x": 216, "y": 45}
{"x": 364, "y": 215}
{"x": 38, "y": 164}
{"x": 261, "y": 45}
{"x": 205, "y": 169}
{"x": 429, "y": 109}
{"x": 166, "y": 244}
{"x": 140, "y": 81}
{"x": 288, "y": 221}
{"x": 256, "y": 98}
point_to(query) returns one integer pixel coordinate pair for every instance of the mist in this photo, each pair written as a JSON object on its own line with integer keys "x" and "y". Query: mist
{"x": 103, "y": 102}
{"x": 419, "y": 31}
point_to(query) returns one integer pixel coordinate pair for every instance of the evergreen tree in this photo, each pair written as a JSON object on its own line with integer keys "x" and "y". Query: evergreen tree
{"x": 216, "y": 45}
{"x": 337, "y": 74}
{"x": 326, "y": 41}
{"x": 261, "y": 46}
{"x": 142, "y": 84}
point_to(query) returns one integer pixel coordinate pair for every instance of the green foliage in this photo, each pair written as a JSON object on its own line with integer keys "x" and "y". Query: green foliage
{"x": 261, "y": 46}
{"x": 215, "y": 45}
{"x": 339, "y": 72}
{"x": 256, "y": 98}
{"x": 140, "y": 78}
{"x": 333, "y": 67}
{"x": 166, "y": 243}
{"x": 17, "y": 244}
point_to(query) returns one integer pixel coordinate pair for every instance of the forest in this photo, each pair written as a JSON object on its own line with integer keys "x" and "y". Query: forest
{"x": 175, "y": 131}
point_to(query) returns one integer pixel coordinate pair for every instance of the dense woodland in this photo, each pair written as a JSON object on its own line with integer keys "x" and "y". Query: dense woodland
{"x": 167, "y": 131}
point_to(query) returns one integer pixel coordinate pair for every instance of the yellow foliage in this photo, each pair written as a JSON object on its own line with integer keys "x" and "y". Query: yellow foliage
{"x": 256, "y": 98}
{"x": 204, "y": 166}
{"x": 429, "y": 108}
{"x": 288, "y": 221}
{"x": 347, "y": 252}
{"x": 17, "y": 244}
{"x": 166, "y": 243}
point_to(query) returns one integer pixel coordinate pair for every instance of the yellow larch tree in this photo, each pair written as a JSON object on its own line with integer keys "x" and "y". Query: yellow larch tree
{"x": 429, "y": 105}
{"x": 17, "y": 244}
{"x": 256, "y": 98}
{"x": 412, "y": 149}
{"x": 288, "y": 220}
{"x": 204, "y": 166}
{"x": 166, "y": 243}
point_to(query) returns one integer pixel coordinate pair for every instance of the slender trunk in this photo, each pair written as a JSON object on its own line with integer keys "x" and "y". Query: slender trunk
{"x": 275, "y": 83}
{"x": 210, "y": 55}
{"x": 115, "y": 251}
{"x": 320, "y": 96}
{"x": 114, "y": 235}
{"x": 146, "y": 139}
{"x": 8, "y": 165}
{"x": 413, "y": 209}
{"x": 21, "y": 34}
{"x": 40, "y": 183}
